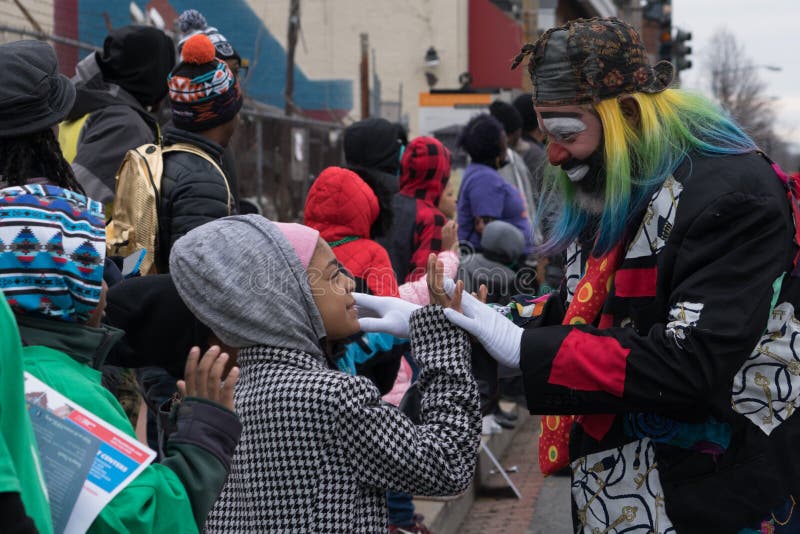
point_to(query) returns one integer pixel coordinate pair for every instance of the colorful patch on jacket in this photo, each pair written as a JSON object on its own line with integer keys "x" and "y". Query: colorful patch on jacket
{"x": 619, "y": 490}
{"x": 658, "y": 221}
{"x": 710, "y": 437}
{"x": 766, "y": 389}
{"x": 682, "y": 317}
{"x": 573, "y": 269}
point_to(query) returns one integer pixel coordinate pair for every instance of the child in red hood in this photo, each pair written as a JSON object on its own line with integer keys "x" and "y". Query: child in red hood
{"x": 342, "y": 207}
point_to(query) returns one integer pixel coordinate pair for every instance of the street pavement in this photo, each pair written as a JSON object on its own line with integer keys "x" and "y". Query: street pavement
{"x": 544, "y": 507}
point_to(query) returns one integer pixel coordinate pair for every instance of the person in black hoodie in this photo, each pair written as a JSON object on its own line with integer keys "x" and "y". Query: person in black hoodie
{"x": 372, "y": 149}
{"x": 115, "y": 92}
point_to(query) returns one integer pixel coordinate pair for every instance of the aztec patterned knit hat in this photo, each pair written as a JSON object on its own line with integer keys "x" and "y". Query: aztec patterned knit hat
{"x": 588, "y": 60}
{"x": 52, "y": 251}
{"x": 203, "y": 90}
{"x": 191, "y": 22}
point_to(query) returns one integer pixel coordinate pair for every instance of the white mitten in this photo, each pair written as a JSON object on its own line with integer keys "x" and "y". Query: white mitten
{"x": 499, "y": 336}
{"x": 384, "y": 314}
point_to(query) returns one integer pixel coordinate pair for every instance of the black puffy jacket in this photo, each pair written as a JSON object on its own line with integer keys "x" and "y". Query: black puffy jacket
{"x": 192, "y": 191}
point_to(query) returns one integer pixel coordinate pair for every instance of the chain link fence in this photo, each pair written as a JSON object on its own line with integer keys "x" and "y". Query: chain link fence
{"x": 277, "y": 158}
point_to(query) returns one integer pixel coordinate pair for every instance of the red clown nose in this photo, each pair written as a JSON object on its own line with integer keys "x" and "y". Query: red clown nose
{"x": 557, "y": 154}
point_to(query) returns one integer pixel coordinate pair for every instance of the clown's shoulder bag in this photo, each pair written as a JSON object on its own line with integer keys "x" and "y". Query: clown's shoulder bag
{"x": 135, "y": 215}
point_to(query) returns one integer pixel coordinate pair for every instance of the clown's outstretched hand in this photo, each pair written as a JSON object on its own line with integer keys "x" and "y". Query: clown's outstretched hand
{"x": 384, "y": 314}
{"x": 498, "y": 335}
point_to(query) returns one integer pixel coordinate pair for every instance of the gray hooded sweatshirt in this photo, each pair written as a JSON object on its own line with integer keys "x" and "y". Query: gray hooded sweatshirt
{"x": 242, "y": 278}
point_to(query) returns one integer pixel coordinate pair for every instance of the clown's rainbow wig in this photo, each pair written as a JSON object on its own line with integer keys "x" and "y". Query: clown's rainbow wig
{"x": 673, "y": 123}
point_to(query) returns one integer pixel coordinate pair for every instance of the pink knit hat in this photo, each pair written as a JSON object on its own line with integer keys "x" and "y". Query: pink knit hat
{"x": 302, "y": 238}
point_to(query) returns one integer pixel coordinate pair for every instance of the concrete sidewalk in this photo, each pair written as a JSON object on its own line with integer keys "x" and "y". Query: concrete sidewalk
{"x": 445, "y": 516}
{"x": 545, "y": 503}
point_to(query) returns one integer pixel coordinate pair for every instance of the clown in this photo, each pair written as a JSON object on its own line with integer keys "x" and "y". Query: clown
{"x": 672, "y": 338}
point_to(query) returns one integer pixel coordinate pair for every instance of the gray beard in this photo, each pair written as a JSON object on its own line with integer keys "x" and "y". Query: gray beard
{"x": 592, "y": 203}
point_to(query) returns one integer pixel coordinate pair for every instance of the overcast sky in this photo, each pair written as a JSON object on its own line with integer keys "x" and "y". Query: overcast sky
{"x": 769, "y": 30}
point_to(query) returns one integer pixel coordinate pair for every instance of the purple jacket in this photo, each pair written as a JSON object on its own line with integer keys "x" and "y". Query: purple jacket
{"x": 484, "y": 193}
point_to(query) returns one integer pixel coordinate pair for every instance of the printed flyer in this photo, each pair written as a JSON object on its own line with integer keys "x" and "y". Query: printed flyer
{"x": 86, "y": 461}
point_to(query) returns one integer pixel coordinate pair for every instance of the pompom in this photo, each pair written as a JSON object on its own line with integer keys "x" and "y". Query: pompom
{"x": 198, "y": 49}
{"x": 191, "y": 20}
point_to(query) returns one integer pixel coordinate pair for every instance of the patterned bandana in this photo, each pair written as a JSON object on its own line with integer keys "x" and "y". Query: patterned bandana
{"x": 588, "y": 60}
{"x": 52, "y": 250}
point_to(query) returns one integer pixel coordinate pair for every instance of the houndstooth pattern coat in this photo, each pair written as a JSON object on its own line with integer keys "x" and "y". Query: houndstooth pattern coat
{"x": 319, "y": 449}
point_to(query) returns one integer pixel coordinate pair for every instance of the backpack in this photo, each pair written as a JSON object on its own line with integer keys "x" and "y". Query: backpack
{"x": 137, "y": 202}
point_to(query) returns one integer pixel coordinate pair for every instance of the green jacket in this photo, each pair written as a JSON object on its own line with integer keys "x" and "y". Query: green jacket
{"x": 20, "y": 471}
{"x": 174, "y": 496}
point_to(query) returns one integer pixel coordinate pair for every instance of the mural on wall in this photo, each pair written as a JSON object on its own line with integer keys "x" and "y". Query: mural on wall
{"x": 323, "y": 99}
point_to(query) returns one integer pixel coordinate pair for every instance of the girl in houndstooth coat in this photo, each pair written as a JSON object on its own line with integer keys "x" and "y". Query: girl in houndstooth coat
{"x": 319, "y": 449}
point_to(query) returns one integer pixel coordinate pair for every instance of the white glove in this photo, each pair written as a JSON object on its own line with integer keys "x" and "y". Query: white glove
{"x": 384, "y": 314}
{"x": 499, "y": 336}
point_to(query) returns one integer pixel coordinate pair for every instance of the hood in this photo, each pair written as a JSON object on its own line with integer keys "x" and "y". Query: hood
{"x": 374, "y": 144}
{"x": 159, "y": 327}
{"x": 251, "y": 291}
{"x": 82, "y": 343}
{"x": 502, "y": 242}
{"x": 425, "y": 169}
{"x": 138, "y": 59}
{"x": 340, "y": 204}
{"x": 92, "y": 92}
{"x": 385, "y": 186}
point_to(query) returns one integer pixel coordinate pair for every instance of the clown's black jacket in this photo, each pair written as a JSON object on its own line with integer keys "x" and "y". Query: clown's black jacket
{"x": 700, "y": 433}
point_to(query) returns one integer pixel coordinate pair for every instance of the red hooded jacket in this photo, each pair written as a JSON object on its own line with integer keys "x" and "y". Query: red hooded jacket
{"x": 342, "y": 207}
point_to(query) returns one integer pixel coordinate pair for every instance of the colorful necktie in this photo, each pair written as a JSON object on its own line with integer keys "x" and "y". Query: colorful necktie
{"x": 585, "y": 307}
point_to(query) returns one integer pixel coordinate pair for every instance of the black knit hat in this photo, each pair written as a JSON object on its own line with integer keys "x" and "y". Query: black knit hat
{"x": 33, "y": 95}
{"x": 373, "y": 143}
{"x": 138, "y": 59}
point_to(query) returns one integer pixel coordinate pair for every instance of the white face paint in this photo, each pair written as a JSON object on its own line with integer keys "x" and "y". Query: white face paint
{"x": 562, "y": 128}
{"x": 576, "y": 174}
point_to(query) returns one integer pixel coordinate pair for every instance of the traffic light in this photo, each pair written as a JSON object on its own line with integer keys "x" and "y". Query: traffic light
{"x": 681, "y": 50}
{"x": 665, "y": 46}
{"x": 665, "y": 32}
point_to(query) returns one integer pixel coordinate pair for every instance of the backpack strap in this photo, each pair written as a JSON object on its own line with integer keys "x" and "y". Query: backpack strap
{"x": 191, "y": 149}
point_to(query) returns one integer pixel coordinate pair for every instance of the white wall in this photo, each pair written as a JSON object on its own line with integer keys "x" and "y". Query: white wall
{"x": 10, "y": 15}
{"x": 400, "y": 31}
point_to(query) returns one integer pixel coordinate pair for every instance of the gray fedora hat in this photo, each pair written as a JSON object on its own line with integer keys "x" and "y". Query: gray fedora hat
{"x": 33, "y": 95}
